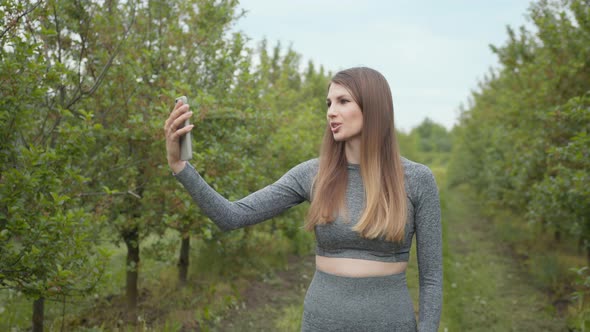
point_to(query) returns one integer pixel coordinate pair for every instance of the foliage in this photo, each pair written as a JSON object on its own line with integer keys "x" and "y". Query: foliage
{"x": 86, "y": 87}
{"x": 432, "y": 137}
{"x": 47, "y": 236}
{"x": 429, "y": 143}
{"x": 563, "y": 193}
{"x": 523, "y": 141}
{"x": 580, "y": 315}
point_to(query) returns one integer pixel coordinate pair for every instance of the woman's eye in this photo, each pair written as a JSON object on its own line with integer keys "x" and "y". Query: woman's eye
{"x": 328, "y": 104}
{"x": 344, "y": 101}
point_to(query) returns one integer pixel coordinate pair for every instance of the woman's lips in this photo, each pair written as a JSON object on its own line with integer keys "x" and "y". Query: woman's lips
{"x": 335, "y": 126}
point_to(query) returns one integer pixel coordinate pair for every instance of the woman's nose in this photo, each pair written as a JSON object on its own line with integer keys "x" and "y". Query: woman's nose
{"x": 331, "y": 111}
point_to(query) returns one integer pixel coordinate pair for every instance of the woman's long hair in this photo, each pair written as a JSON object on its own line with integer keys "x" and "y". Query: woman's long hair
{"x": 381, "y": 168}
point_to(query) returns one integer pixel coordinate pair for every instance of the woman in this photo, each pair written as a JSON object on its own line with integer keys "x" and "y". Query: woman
{"x": 366, "y": 204}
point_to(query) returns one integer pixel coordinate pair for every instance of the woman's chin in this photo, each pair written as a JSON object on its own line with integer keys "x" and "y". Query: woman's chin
{"x": 339, "y": 138}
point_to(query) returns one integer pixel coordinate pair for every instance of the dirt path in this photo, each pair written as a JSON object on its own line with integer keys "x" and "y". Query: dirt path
{"x": 273, "y": 303}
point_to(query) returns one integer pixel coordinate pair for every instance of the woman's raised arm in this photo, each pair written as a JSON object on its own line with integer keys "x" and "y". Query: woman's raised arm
{"x": 291, "y": 189}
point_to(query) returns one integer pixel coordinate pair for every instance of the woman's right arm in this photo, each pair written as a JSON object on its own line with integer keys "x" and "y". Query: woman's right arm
{"x": 291, "y": 189}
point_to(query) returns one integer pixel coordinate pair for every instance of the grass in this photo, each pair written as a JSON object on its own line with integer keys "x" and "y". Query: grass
{"x": 290, "y": 319}
{"x": 558, "y": 269}
{"x": 485, "y": 287}
{"x": 216, "y": 282}
{"x": 274, "y": 303}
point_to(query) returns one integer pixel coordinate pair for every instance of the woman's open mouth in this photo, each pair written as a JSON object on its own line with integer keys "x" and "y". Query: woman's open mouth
{"x": 335, "y": 126}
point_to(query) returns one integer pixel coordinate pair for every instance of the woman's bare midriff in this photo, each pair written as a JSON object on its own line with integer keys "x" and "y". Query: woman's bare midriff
{"x": 359, "y": 268}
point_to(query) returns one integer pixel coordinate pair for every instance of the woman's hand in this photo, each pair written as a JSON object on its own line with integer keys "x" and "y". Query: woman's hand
{"x": 177, "y": 117}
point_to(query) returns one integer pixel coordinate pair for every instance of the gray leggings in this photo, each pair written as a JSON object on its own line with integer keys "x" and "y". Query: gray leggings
{"x": 335, "y": 303}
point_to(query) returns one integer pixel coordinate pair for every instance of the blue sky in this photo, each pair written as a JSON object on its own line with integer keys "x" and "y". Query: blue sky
{"x": 432, "y": 53}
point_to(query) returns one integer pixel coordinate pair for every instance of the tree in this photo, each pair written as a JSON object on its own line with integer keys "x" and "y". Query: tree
{"x": 432, "y": 137}
{"x": 47, "y": 236}
{"x": 522, "y": 136}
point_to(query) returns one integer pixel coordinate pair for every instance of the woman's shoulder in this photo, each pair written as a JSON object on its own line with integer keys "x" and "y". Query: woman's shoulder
{"x": 300, "y": 177}
{"x": 309, "y": 166}
{"x": 414, "y": 169}
{"x": 305, "y": 170}
{"x": 418, "y": 177}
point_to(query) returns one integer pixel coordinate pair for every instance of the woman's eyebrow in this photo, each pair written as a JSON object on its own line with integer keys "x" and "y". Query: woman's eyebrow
{"x": 339, "y": 97}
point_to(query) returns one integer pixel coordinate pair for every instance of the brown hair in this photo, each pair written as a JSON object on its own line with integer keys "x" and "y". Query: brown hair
{"x": 381, "y": 167}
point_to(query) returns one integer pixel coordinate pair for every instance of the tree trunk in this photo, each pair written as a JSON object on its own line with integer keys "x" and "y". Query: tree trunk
{"x": 183, "y": 260}
{"x": 557, "y": 236}
{"x": 38, "y": 313}
{"x": 131, "y": 238}
{"x": 543, "y": 226}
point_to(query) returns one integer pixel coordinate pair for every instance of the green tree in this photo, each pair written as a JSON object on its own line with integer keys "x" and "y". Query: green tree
{"x": 162, "y": 58}
{"x": 47, "y": 235}
{"x": 432, "y": 137}
{"x": 521, "y": 139}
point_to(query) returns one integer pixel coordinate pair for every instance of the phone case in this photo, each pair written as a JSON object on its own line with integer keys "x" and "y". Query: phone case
{"x": 186, "y": 147}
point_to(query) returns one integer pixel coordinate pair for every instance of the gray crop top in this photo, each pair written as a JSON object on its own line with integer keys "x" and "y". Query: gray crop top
{"x": 337, "y": 239}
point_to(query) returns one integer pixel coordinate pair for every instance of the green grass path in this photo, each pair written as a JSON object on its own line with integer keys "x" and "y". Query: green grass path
{"x": 484, "y": 287}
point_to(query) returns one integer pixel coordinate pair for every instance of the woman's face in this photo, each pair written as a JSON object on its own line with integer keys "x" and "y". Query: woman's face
{"x": 344, "y": 114}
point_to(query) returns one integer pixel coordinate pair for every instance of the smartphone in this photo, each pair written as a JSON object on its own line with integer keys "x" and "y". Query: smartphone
{"x": 186, "y": 147}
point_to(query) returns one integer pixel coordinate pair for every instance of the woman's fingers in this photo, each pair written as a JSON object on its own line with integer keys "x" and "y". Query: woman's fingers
{"x": 172, "y": 123}
{"x": 182, "y": 131}
{"x": 181, "y": 119}
{"x": 179, "y": 109}
{"x": 175, "y": 126}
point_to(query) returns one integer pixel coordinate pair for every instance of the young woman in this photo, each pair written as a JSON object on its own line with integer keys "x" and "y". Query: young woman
{"x": 367, "y": 203}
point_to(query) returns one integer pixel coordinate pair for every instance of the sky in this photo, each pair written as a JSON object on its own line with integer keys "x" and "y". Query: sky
{"x": 432, "y": 53}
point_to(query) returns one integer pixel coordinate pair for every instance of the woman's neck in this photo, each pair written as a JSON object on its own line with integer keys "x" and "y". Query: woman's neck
{"x": 352, "y": 149}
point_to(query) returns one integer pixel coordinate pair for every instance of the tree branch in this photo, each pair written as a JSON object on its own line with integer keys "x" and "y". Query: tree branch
{"x": 15, "y": 20}
{"x": 79, "y": 92}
